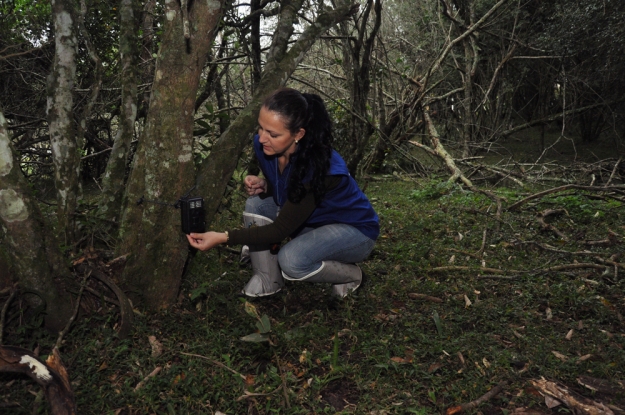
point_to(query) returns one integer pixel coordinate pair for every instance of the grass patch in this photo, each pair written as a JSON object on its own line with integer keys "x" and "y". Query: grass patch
{"x": 386, "y": 349}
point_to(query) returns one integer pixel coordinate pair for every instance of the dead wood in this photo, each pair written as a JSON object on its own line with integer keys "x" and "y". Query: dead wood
{"x": 549, "y": 227}
{"x": 577, "y": 403}
{"x": 612, "y": 239}
{"x": 51, "y": 376}
{"x": 480, "y": 269}
{"x": 474, "y": 404}
{"x": 614, "y": 171}
{"x": 549, "y": 248}
{"x": 417, "y": 296}
{"x": 125, "y": 307}
{"x": 562, "y": 188}
{"x": 148, "y": 377}
{"x": 602, "y": 386}
{"x": 565, "y": 267}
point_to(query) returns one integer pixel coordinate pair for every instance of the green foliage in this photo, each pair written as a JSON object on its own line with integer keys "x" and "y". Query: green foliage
{"x": 434, "y": 190}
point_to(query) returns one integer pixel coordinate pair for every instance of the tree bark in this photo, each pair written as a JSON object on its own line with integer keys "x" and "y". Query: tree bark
{"x": 113, "y": 179}
{"x": 163, "y": 165}
{"x": 34, "y": 254}
{"x": 65, "y": 151}
{"x": 216, "y": 170}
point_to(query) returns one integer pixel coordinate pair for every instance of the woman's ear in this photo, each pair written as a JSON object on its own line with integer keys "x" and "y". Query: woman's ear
{"x": 301, "y": 133}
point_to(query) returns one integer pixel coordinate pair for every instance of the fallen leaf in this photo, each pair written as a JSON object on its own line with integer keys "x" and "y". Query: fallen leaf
{"x": 249, "y": 380}
{"x": 452, "y": 259}
{"x": 398, "y": 359}
{"x": 157, "y": 347}
{"x": 485, "y": 363}
{"x": 461, "y": 357}
{"x": 551, "y": 402}
{"x": 548, "y": 313}
{"x": 467, "y": 302}
{"x": 434, "y": 367}
{"x": 560, "y": 356}
{"x": 584, "y": 357}
{"x": 453, "y": 410}
{"x": 569, "y": 335}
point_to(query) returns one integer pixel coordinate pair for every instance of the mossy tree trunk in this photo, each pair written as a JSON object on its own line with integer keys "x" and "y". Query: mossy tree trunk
{"x": 65, "y": 151}
{"x": 216, "y": 170}
{"x": 33, "y": 250}
{"x": 113, "y": 179}
{"x": 163, "y": 164}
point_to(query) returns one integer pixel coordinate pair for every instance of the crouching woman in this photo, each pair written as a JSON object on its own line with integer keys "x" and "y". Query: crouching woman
{"x": 307, "y": 194}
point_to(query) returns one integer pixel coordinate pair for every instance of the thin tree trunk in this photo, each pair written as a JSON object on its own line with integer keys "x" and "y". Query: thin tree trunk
{"x": 358, "y": 60}
{"x": 65, "y": 151}
{"x": 34, "y": 254}
{"x": 113, "y": 179}
{"x": 163, "y": 165}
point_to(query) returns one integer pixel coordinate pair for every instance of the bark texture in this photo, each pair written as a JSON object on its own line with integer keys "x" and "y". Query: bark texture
{"x": 163, "y": 165}
{"x": 217, "y": 170}
{"x": 113, "y": 179}
{"x": 34, "y": 254}
{"x": 65, "y": 151}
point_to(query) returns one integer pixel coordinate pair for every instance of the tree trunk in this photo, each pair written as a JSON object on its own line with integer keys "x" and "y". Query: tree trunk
{"x": 357, "y": 60}
{"x": 113, "y": 180}
{"x": 163, "y": 165}
{"x": 65, "y": 151}
{"x": 216, "y": 170}
{"x": 30, "y": 243}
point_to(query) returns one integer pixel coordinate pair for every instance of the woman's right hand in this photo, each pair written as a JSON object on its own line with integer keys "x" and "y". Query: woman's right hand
{"x": 254, "y": 185}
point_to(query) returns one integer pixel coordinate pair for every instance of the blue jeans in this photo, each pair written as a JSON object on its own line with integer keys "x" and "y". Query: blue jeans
{"x": 305, "y": 253}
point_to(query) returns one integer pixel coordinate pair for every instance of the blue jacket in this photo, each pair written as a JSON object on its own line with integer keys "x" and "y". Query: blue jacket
{"x": 345, "y": 203}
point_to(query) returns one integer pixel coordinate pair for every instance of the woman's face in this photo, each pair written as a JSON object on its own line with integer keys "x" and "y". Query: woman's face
{"x": 273, "y": 134}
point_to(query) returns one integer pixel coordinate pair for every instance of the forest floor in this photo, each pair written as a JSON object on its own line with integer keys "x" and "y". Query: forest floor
{"x": 461, "y": 308}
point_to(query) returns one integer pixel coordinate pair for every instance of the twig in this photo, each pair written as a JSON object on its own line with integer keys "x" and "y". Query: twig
{"x": 550, "y": 248}
{"x": 417, "y": 296}
{"x": 4, "y": 312}
{"x": 63, "y": 332}
{"x": 474, "y": 404}
{"x": 561, "y": 188}
{"x": 614, "y": 171}
{"x": 481, "y": 269}
{"x": 215, "y": 362}
{"x": 480, "y": 253}
{"x": 145, "y": 379}
{"x": 570, "y": 266}
{"x": 248, "y": 394}
{"x": 496, "y": 277}
{"x": 548, "y": 227}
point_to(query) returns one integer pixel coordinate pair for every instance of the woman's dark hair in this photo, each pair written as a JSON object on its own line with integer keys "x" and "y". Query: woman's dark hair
{"x": 314, "y": 150}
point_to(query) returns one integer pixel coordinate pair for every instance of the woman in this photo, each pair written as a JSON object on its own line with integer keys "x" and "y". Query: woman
{"x": 330, "y": 220}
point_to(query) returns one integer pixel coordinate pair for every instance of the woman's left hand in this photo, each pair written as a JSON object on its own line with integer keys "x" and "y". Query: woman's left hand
{"x": 206, "y": 241}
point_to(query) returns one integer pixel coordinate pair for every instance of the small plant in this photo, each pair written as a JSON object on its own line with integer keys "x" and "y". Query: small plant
{"x": 262, "y": 324}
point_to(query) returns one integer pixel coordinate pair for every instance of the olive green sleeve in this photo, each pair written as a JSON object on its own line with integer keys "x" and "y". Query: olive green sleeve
{"x": 291, "y": 217}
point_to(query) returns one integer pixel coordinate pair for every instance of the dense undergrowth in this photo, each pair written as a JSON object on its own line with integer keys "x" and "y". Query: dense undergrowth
{"x": 429, "y": 331}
